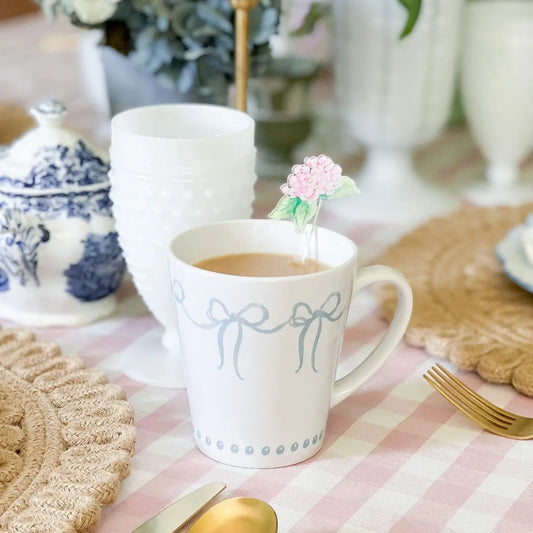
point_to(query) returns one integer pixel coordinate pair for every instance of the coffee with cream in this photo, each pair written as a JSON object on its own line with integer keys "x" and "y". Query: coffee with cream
{"x": 261, "y": 265}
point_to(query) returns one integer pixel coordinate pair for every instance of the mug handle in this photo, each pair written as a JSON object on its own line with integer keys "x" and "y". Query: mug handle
{"x": 345, "y": 386}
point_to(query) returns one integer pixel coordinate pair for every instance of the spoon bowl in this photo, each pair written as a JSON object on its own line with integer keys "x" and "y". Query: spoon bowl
{"x": 238, "y": 515}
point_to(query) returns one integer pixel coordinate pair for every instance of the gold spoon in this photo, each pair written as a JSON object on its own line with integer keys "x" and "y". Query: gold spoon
{"x": 242, "y": 62}
{"x": 238, "y": 515}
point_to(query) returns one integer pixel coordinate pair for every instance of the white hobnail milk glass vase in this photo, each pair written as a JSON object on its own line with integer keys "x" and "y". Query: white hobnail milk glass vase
{"x": 173, "y": 167}
{"x": 395, "y": 95}
{"x": 497, "y": 90}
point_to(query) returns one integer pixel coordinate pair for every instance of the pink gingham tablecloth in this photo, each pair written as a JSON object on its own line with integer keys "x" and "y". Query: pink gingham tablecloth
{"x": 396, "y": 457}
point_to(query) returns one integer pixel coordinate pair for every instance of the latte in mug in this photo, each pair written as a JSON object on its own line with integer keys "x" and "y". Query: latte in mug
{"x": 261, "y": 265}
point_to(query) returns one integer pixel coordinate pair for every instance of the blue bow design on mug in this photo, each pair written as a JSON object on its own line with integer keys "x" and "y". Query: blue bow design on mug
{"x": 303, "y": 317}
{"x": 252, "y": 316}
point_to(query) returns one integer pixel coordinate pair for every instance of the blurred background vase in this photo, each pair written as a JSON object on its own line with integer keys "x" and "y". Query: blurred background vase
{"x": 280, "y": 103}
{"x": 497, "y": 89}
{"x": 282, "y": 99}
{"x": 395, "y": 95}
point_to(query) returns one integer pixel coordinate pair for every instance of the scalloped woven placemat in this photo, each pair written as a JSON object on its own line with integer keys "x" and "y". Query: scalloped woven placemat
{"x": 66, "y": 438}
{"x": 465, "y": 308}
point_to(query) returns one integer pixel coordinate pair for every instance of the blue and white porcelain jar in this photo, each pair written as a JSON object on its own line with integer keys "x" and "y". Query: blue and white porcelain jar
{"x": 60, "y": 261}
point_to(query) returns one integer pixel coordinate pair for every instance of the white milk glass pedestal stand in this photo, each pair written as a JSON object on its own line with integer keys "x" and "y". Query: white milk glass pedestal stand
{"x": 155, "y": 359}
{"x": 395, "y": 95}
{"x": 497, "y": 89}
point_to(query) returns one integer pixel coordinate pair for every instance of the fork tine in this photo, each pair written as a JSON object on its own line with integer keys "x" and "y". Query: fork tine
{"x": 465, "y": 409}
{"x": 494, "y": 409}
{"x": 465, "y": 400}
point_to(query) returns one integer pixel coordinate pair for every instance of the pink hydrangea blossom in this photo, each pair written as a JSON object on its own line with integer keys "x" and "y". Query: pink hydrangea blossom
{"x": 318, "y": 176}
{"x": 318, "y": 179}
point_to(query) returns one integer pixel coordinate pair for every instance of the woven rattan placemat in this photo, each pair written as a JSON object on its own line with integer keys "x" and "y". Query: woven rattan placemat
{"x": 465, "y": 308}
{"x": 66, "y": 438}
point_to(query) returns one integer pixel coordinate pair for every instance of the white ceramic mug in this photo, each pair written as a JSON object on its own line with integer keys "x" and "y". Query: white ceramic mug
{"x": 260, "y": 353}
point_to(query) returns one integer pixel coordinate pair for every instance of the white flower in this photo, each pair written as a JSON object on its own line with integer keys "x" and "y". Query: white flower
{"x": 94, "y": 11}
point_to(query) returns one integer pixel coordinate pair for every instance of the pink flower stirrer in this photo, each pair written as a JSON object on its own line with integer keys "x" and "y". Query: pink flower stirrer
{"x": 309, "y": 184}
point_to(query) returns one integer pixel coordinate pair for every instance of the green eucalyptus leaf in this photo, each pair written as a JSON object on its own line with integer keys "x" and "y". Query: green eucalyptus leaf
{"x": 221, "y": 52}
{"x": 160, "y": 8}
{"x": 194, "y": 24}
{"x": 179, "y": 16}
{"x": 347, "y": 188}
{"x": 204, "y": 33}
{"x": 223, "y": 6}
{"x": 145, "y": 38}
{"x": 267, "y": 26}
{"x": 153, "y": 57}
{"x": 140, "y": 5}
{"x": 192, "y": 44}
{"x": 162, "y": 24}
{"x": 176, "y": 49}
{"x": 226, "y": 41}
{"x": 285, "y": 208}
{"x": 214, "y": 18}
{"x": 195, "y": 54}
{"x": 212, "y": 84}
{"x": 187, "y": 77}
{"x": 304, "y": 212}
{"x": 413, "y": 11}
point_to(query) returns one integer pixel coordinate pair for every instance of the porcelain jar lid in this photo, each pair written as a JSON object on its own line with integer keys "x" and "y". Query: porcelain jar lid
{"x": 51, "y": 158}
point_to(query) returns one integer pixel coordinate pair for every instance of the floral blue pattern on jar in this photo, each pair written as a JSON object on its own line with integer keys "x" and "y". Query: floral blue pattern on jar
{"x": 20, "y": 238}
{"x": 99, "y": 271}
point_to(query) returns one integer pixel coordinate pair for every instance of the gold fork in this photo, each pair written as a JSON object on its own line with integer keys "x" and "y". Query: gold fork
{"x": 477, "y": 408}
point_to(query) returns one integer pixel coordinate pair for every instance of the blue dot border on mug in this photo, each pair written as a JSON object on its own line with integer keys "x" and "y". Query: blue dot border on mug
{"x": 223, "y": 450}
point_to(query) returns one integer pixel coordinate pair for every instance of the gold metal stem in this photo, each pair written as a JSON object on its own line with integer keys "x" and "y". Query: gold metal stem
{"x": 242, "y": 61}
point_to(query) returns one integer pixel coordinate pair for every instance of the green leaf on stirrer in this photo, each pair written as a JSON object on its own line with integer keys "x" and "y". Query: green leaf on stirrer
{"x": 284, "y": 208}
{"x": 304, "y": 212}
{"x": 347, "y": 188}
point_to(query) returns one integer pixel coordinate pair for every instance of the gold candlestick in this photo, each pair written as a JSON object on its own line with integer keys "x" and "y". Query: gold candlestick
{"x": 242, "y": 64}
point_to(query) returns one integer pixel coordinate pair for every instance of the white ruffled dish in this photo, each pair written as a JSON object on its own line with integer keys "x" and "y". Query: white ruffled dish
{"x": 512, "y": 254}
